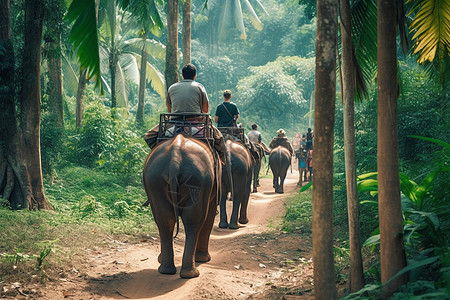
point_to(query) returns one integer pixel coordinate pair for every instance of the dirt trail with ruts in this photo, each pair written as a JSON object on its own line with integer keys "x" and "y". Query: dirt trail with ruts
{"x": 255, "y": 261}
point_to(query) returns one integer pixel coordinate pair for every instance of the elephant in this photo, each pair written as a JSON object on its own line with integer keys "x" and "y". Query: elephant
{"x": 236, "y": 178}
{"x": 257, "y": 159}
{"x": 279, "y": 162}
{"x": 181, "y": 178}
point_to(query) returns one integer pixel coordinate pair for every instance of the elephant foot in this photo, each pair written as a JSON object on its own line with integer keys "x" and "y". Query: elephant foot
{"x": 279, "y": 191}
{"x": 254, "y": 191}
{"x": 202, "y": 256}
{"x": 243, "y": 220}
{"x": 223, "y": 224}
{"x": 233, "y": 226}
{"x": 167, "y": 269}
{"x": 189, "y": 272}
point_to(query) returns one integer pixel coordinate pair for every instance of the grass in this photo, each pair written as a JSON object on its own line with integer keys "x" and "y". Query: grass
{"x": 91, "y": 209}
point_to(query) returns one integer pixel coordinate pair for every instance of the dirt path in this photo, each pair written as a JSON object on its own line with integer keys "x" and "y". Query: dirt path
{"x": 256, "y": 261}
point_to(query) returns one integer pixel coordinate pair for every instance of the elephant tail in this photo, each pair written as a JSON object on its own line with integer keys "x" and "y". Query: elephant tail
{"x": 173, "y": 171}
{"x": 228, "y": 170}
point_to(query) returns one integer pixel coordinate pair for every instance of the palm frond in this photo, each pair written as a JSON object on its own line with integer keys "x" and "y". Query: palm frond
{"x": 239, "y": 18}
{"x": 70, "y": 78}
{"x": 152, "y": 47}
{"x": 431, "y": 29}
{"x": 129, "y": 67}
{"x": 83, "y": 36}
{"x": 261, "y": 7}
{"x": 253, "y": 16}
{"x": 154, "y": 77}
{"x": 364, "y": 29}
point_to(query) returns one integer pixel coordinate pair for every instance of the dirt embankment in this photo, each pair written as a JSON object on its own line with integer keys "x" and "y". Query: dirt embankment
{"x": 256, "y": 261}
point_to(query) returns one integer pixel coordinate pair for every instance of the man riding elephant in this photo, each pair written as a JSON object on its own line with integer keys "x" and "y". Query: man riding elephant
{"x": 188, "y": 96}
{"x": 281, "y": 140}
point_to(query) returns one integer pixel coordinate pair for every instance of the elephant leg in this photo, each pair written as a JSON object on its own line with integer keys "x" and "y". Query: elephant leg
{"x": 282, "y": 178}
{"x": 223, "y": 210}
{"x": 188, "y": 268}
{"x": 237, "y": 195}
{"x": 202, "y": 252}
{"x": 244, "y": 205}
{"x": 165, "y": 220}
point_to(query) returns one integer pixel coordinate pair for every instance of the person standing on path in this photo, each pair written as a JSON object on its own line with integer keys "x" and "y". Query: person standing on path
{"x": 301, "y": 154}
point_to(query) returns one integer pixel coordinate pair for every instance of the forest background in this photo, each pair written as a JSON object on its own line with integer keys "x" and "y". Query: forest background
{"x": 92, "y": 168}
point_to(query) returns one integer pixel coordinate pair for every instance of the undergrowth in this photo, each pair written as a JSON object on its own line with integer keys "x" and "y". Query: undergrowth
{"x": 92, "y": 209}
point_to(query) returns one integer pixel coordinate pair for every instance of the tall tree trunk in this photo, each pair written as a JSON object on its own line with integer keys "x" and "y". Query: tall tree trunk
{"x": 389, "y": 204}
{"x": 112, "y": 70}
{"x": 54, "y": 54}
{"x": 142, "y": 85}
{"x": 323, "y": 259}
{"x": 171, "y": 73}
{"x": 20, "y": 146}
{"x": 80, "y": 93}
{"x": 186, "y": 32}
{"x": 348, "y": 94}
{"x": 111, "y": 11}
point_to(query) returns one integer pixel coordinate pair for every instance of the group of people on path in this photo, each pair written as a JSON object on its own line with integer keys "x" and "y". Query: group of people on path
{"x": 303, "y": 148}
{"x": 189, "y": 96}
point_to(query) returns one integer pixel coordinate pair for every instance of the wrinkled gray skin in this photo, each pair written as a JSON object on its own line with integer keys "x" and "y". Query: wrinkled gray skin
{"x": 236, "y": 179}
{"x": 279, "y": 162}
{"x": 180, "y": 180}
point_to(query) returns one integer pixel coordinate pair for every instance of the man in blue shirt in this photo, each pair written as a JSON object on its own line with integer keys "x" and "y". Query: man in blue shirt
{"x": 227, "y": 113}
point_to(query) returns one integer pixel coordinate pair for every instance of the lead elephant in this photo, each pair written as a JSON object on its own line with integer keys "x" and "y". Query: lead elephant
{"x": 279, "y": 162}
{"x": 181, "y": 179}
{"x": 236, "y": 179}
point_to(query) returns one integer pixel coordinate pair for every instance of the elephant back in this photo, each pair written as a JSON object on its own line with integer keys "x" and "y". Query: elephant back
{"x": 280, "y": 156}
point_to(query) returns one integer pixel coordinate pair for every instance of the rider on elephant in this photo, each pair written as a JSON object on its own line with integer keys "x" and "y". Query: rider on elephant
{"x": 255, "y": 137}
{"x": 188, "y": 96}
{"x": 227, "y": 114}
{"x": 281, "y": 140}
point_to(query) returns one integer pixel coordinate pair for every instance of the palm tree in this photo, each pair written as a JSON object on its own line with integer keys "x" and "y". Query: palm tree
{"x": 348, "y": 97}
{"x": 225, "y": 15}
{"x": 84, "y": 35}
{"x": 121, "y": 57}
{"x": 389, "y": 205}
{"x": 323, "y": 259}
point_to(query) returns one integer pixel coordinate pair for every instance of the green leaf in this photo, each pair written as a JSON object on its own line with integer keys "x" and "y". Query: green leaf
{"x": 306, "y": 186}
{"x": 84, "y": 37}
{"x": 373, "y": 240}
{"x": 412, "y": 266}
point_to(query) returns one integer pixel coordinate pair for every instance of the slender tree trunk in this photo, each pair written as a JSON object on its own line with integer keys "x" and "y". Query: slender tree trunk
{"x": 80, "y": 93}
{"x": 348, "y": 94}
{"x": 186, "y": 32}
{"x": 390, "y": 210}
{"x": 55, "y": 78}
{"x": 142, "y": 85}
{"x": 53, "y": 54}
{"x": 324, "y": 278}
{"x": 112, "y": 70}
{"x": 171, "y": 73}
